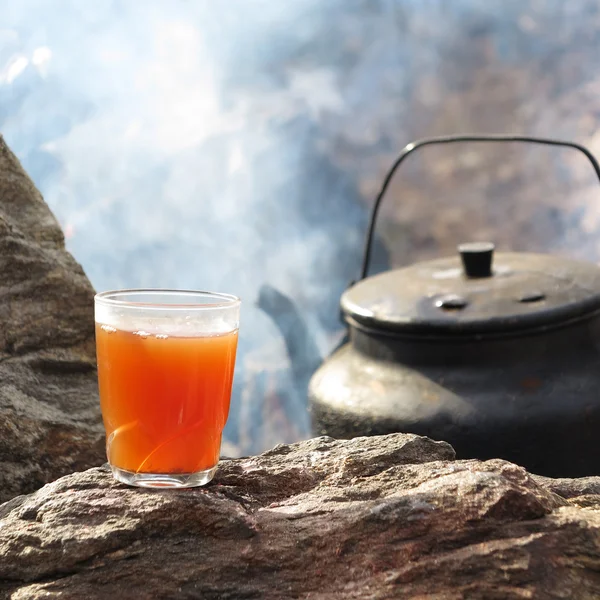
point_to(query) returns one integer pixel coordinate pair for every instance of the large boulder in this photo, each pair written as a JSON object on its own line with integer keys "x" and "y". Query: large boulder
{"x": 49, "y": 412}
{"x": 379, "y": 517}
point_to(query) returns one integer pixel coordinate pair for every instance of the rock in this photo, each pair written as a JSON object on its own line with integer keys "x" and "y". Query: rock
{"x": 380, "y": 517}
{"x": 583, "y": 492}
{"x": 49, "y": 411}
{"x": 571, "y": 488}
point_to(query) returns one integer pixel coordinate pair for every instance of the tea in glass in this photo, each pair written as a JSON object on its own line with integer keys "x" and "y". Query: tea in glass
{"x": 165, "y": 371}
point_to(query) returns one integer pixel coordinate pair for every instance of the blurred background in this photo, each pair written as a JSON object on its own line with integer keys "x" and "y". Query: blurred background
{"x": 237, "y": 146}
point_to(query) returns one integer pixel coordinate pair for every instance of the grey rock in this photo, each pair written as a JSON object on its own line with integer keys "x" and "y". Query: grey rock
{"x": 571, "y": 488}
{"x": 49, "y": 411}
{"x": 369, "y": 518}
{"x": 583, "y": 492}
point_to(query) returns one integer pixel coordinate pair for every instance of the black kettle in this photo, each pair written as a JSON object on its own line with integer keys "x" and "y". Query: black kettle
{"x": 495, "y": 353}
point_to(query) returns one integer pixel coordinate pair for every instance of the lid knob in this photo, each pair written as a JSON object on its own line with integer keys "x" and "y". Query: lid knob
{"x": 477, "y": 258}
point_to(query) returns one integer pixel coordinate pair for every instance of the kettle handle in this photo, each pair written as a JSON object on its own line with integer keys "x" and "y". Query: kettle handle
{"x": 410, "y": 148}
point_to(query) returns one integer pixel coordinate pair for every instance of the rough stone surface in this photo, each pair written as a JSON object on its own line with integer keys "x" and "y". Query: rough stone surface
{"x": 380, "y": 517}
{"x": 49, "y": 411}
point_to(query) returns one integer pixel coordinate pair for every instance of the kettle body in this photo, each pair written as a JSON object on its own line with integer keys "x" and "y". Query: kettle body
{"x": 534, "y": 401}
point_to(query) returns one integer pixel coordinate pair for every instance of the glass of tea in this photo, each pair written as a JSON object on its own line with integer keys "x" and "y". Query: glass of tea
{"x": 165, "y": 370}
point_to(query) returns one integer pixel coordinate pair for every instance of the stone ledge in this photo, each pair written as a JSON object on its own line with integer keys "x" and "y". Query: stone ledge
{"x": 382, "y": 517}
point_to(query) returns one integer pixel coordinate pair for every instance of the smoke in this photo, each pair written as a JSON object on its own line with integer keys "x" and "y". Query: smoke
{"x": 229, "y": 146}
{"x": 179, "y": 145}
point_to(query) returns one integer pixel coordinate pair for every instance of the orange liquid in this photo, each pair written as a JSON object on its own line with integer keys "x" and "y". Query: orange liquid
{"x": 164, "y": 401}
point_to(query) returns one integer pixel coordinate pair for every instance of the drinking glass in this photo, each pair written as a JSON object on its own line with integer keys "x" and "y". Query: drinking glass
{"x": 165, "y": 370}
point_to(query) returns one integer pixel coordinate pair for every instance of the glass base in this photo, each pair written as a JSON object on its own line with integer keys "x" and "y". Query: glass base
{"x": 163, "y": 480}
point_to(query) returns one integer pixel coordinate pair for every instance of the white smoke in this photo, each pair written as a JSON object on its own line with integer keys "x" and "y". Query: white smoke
{"x": 178, "y": 145}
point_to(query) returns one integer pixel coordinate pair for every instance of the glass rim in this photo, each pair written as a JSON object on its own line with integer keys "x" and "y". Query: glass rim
{"x": 110, "y": 298}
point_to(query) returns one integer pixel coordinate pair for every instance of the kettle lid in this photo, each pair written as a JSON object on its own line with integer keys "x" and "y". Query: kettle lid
{"x": 475, "y": 293}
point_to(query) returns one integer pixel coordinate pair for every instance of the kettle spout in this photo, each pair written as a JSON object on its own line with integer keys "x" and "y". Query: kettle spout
{"x": 300, "y": 344}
